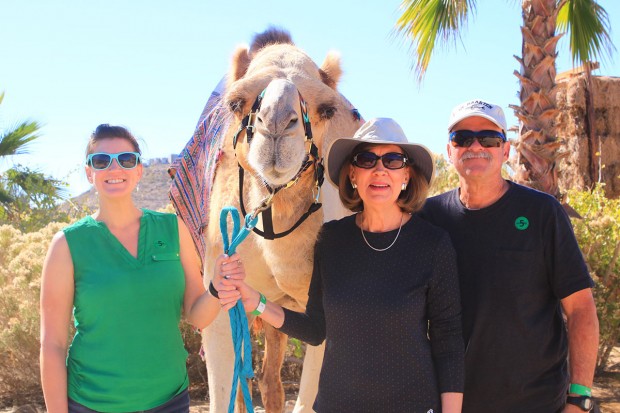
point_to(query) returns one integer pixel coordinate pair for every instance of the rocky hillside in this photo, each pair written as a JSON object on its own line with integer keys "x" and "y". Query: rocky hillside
{"x": 152, "y": 192}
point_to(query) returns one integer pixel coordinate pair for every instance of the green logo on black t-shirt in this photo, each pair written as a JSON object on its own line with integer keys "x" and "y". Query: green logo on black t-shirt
{"x": 522, "y": 223}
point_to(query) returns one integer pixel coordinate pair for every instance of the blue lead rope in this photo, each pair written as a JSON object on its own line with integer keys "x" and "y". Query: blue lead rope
{"x": 238, "y": 320}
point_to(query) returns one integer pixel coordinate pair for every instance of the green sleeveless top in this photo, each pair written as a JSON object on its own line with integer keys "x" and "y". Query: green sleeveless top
{"x": 127, "y": 353}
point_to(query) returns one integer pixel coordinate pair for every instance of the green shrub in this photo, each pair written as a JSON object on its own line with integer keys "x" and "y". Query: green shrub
{"x": 446, "y": 177}
{"x": 598, "y": 234}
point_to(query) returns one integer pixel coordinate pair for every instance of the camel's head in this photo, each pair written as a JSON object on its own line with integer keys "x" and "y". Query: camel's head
{"x": 284, "y": 75}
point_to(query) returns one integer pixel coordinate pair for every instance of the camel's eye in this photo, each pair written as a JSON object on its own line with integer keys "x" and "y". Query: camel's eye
{"x": 292, "y": 123}
{"x": 236, "y": 105}
{"x": 326, "y": 111}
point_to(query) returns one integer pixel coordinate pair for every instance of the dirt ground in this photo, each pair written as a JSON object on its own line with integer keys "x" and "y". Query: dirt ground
{"x": 606, "y": 392}
{"x": 607, "y": 386}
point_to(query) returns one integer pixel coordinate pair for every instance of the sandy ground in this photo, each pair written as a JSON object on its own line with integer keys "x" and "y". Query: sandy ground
{"x": 607, "y": 387}
{"x": 606, "y": 391}
{"x": 203, "y": 407}
{"x": 196, "y": 407}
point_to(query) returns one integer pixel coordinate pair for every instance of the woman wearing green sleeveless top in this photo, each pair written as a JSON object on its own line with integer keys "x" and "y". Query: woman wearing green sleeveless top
{"x": 126, "y": 275}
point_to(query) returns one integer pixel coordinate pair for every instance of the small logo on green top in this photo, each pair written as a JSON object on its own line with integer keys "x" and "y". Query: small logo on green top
{"x": 160, "y": 244}
{"x": 522, "y": 223}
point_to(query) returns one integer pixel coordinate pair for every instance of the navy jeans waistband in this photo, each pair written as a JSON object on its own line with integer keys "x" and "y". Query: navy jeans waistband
{"x": 178, "y": 404}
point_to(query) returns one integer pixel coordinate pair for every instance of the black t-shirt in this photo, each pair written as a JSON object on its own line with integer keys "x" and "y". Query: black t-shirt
{"x": 516, "y": 260}
{"x": 377, "y": 311}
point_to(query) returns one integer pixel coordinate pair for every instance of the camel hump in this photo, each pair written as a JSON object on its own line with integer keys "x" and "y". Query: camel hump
{"x": 272, "y": 35}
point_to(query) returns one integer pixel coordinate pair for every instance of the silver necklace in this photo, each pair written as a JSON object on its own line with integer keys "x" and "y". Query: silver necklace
{"x": 389, "y": 246}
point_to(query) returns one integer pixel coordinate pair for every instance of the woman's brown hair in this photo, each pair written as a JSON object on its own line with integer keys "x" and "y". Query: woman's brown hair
{"x": 106, "y": 131}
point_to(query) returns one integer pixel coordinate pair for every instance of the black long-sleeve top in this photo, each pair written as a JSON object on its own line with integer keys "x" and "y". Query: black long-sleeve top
{"x": 391, "y": 319}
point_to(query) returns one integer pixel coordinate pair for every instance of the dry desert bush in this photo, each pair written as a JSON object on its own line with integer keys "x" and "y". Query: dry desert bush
{"x": 21, "y": 260}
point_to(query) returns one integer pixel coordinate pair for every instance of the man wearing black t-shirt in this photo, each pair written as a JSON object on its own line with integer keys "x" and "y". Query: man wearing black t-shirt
{"x": 520, "y": 271}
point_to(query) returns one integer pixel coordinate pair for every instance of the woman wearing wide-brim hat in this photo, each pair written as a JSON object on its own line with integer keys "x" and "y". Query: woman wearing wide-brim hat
{"x": 384, "y": 292}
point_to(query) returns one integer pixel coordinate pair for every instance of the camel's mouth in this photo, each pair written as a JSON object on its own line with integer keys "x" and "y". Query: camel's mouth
{"x": 277, "y": 176}
{"x": 277, "y": 161}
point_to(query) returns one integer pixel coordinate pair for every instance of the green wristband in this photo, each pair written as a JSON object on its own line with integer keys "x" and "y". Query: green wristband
{"x": 262, "y": 304}
{"x": 580, "y": 390}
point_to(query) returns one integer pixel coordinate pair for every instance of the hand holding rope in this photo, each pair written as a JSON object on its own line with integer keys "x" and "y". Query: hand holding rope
{"x": 238, "y": 320}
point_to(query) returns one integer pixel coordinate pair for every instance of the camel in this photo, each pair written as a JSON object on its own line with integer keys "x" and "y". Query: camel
{"x": 274, "y": 155}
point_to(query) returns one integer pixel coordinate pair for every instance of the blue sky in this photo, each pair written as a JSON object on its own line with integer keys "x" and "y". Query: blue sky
{"x": 150, "y": 66}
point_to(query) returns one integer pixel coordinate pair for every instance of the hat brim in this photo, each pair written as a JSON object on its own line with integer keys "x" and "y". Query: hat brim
{"x": 479, "y": 115}
{"x": 341, "y": 148}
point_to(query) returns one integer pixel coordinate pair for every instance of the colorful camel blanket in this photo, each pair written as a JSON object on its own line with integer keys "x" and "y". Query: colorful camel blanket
{"x": 193, "y": 171}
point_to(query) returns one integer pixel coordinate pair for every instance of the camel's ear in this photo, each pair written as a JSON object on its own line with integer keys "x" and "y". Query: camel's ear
{"x": 330, "y": 69}
{"x": 240, "y": 63}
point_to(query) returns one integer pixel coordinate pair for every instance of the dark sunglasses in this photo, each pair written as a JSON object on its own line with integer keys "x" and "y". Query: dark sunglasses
{"x": 101, "y": 161}
{"x": 486, "y": 138}
{"x": 391, "y": 160}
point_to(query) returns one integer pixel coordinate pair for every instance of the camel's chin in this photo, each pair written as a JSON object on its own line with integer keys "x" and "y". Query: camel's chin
{"x": 277, "y": 178}
{"x": 276, "y": 172}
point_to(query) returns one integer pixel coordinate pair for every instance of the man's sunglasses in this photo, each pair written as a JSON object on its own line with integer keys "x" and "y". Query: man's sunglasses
{"x": 101, "y": 161}
{"x": 486, "y": 138}
{"x": 391, "y": 160}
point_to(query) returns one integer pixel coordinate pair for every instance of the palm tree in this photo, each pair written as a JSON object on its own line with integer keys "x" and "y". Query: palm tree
{"x": 22, "y": 189}
{"x": 426, "y": 22}
{"x": 14, "y": 141}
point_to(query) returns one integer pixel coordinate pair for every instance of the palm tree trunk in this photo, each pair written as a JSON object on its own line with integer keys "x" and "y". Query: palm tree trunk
{"x": 538, "y": 148}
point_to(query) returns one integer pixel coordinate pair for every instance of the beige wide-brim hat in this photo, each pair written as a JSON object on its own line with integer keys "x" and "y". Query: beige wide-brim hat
{"x": 378, "y": 131}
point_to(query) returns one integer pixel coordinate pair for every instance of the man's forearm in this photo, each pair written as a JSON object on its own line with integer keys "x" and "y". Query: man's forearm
{"x": 583, "y": 337}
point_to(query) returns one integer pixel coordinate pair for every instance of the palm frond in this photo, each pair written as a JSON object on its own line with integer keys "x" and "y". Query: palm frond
{"x": 587, "y": 24}
{"x": 423, "y": 22}
{"x": 23, "y": 180}
{"x": 15, "y": 140}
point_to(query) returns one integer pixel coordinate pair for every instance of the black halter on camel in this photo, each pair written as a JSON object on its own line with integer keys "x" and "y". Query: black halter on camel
{"x": 312, "y": 159}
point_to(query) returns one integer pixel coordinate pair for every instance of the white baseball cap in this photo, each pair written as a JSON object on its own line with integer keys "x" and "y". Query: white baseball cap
{"x": 480, "y": 108}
